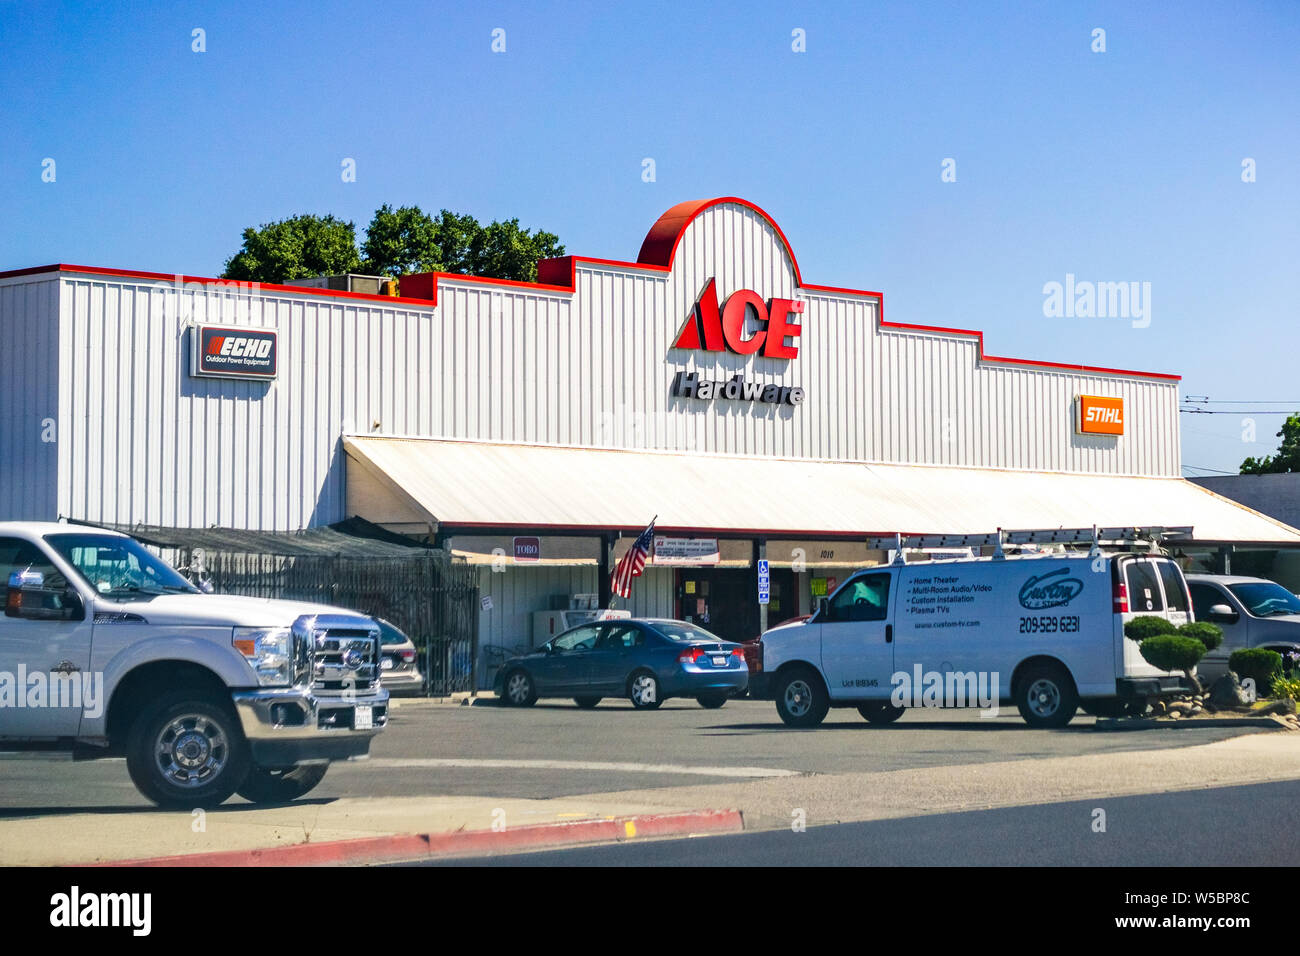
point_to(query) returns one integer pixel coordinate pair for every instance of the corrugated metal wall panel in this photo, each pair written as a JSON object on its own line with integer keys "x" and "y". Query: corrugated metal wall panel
{"x": 145, "y": 441}
{"x": 30, "y": 349}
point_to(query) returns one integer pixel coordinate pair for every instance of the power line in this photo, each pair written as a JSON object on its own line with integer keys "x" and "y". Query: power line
{"x": 1232, "y": 411}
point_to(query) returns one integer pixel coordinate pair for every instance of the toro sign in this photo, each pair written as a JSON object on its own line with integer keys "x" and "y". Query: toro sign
{"x": 713, "y": 329}
{"x": 1099, "y": 415}
{"x": 234, "y": 351}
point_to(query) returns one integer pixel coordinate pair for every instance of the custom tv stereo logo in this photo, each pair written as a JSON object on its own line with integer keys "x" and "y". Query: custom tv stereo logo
{"x": 228, "y": 351}
{"x": 715, "y": 329}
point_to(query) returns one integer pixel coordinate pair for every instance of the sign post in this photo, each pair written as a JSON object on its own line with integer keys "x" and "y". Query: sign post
{"x": 764, "y": 582}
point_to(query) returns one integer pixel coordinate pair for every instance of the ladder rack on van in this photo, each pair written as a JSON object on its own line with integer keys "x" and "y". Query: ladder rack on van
{"x": 900, "y": 544}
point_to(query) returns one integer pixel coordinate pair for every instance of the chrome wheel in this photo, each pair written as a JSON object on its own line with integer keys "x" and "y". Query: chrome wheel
{"x": 1044, "y": 698}
{"x": 191, "y": 750}
{"x": 798, "y": 698}
{"x": 645, "y": 691}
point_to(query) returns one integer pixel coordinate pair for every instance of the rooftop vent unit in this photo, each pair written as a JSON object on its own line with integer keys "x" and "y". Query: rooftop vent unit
{"x": 349, "y": 282}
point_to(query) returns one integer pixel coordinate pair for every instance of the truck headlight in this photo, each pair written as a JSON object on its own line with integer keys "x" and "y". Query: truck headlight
{"x": 270, "y": 652}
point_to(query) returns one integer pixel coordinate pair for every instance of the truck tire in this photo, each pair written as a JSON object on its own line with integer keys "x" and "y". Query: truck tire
{"x": 1045, "y": 696}
{"x": 186, "y": 749}
{"x": 267, "y": 785}
{"x": 881, "y": 712}
{"x": 801, "y": 698}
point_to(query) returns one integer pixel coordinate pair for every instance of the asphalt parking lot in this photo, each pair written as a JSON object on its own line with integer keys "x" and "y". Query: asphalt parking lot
{"x": 555, "y": 749}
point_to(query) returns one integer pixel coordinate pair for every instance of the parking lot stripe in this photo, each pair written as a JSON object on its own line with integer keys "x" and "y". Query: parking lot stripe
{"x": 437, "y": 763}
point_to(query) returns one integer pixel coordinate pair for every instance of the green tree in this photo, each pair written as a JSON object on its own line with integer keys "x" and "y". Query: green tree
{"x": 398, "y": 242}
{"x": 455, "y": 236}
{"x": 1288, "y": 453}
{"x": 504, "y": 251}
{"x": 295, "y": 248}
{"x": 1174, "y": 652}
{"x": 401, "y": 241}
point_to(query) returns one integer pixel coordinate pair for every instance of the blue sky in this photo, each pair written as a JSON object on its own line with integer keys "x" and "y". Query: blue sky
{"x": 1117, "y": 166}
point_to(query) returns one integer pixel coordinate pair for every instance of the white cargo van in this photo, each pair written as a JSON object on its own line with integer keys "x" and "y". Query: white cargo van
{"x": 1044, "y": 631}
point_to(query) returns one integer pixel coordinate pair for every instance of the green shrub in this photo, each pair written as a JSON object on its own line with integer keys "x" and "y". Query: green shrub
{"x": 1173, "y": 652}
{"x": 1257, "y": 663}
{"x": 1287, "y": 687}
{"x": 1147, "y": 626}
{"x": 1211, "y": 635}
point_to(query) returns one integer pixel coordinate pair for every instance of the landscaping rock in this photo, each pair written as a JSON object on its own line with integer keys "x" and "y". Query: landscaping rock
{"x": 1226, "y": 692}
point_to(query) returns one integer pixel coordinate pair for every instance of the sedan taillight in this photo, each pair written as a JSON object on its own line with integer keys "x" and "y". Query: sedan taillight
{"x": 690, "y": 655}
{"x": 739, "y": 652}
{"x": 408, "y": 656}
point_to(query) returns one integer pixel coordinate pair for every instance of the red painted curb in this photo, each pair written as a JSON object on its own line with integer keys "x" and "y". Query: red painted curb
{"x": 416, "y": 846}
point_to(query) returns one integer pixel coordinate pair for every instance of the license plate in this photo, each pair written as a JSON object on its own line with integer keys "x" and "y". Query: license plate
{"x": 387, "y": 665}
{"x": 363, "y": 718}
{"x": 719, "y": 662}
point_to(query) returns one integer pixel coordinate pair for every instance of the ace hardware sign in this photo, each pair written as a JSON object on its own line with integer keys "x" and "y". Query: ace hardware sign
{"x": 713, "y": 328}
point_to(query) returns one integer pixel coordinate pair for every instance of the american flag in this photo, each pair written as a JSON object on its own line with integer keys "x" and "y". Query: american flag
{"x": 632, "y": 564}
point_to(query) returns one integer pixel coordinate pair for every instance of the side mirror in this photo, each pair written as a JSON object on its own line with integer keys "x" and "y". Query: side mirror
{"x": 27, "y": 597}
{"x": 1224, "y": 614}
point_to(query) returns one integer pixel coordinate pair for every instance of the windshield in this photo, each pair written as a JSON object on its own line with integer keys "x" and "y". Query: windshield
{"x": 1266, "y": 599}
{"x": 120, "y": 568}
{"x": 684, "y": 633}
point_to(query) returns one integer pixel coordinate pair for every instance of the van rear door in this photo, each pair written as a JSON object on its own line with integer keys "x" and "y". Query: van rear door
{"x": 1156, "y": 588}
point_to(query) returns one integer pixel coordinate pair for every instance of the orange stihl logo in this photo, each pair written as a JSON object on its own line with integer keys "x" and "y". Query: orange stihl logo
{"x": 1101, "y": 415}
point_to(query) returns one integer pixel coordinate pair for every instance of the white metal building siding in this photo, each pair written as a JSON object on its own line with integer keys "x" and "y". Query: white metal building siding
{"x": 29, "y": 363}
{"x": 595, "y": 369}
{"x": 143, "y": 441}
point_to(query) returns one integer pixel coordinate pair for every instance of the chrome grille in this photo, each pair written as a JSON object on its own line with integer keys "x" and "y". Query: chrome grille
{"x": 337, "y": 656}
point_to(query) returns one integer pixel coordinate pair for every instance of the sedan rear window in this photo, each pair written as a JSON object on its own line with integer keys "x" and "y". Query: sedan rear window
{"x": 683, "y": 632}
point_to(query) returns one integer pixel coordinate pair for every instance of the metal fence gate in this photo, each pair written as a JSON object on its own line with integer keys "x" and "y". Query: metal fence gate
{"x": 431, "y": 598}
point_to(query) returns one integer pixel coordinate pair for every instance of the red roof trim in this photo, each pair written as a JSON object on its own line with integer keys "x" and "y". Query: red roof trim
{"x": 658, "y": 251}
{"x": 234, "y": 284}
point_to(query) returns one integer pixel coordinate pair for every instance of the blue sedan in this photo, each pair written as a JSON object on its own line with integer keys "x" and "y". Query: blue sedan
{"x": 645, "y": 660}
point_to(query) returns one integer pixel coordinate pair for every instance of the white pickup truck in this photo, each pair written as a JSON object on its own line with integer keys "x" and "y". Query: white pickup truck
{"x": 105, "y": 650}
{"x": 1045, "y": 632}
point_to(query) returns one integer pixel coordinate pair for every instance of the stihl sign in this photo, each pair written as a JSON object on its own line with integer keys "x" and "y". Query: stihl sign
{"x": 1099, "y": 415}
{"x": 231, "y": 351}
{"x": 713, "y": 329}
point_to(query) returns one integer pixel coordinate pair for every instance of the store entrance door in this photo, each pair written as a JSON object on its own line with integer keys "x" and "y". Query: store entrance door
{"x": 725, "y": 600}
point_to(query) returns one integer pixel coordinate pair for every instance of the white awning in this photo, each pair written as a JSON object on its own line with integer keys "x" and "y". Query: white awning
{"x": 471, "y": 484}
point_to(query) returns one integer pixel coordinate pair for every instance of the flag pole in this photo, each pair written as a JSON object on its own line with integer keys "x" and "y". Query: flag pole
{"x": 613, "y": 595}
